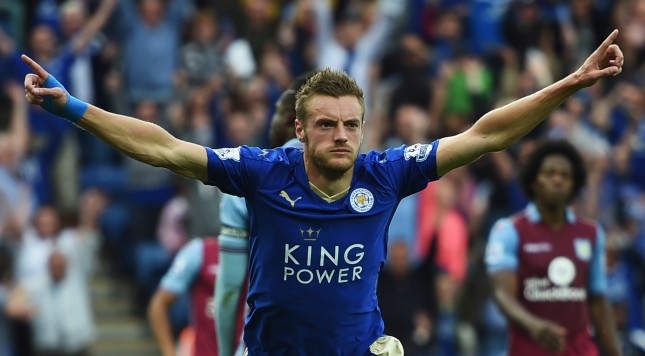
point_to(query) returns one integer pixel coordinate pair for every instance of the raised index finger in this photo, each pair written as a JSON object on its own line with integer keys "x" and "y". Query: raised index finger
{"x": 608, "y": 41}
{"x": 40, "y": 72}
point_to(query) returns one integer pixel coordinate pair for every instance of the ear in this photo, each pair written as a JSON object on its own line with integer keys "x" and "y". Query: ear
{"x": 300, "y": 130}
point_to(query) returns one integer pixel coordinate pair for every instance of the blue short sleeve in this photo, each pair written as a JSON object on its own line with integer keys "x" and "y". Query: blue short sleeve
{"x": 597, "y": 273}
{"x": 240, "y": 171}
{"x": 409, "y": 168}
{"x": 501, "y": 250}
{"x": 185, "y": 268}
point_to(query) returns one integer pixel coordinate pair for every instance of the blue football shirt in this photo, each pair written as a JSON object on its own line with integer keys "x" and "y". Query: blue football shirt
{"x": 314, "y": 265}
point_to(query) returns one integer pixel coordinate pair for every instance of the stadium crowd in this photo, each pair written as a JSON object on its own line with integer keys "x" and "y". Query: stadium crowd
{"x": 210, "y": 72}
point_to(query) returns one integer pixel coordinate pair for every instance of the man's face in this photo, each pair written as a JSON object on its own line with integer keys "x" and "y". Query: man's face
{"x": 43, "y": 41}
{"x": 554, "y": 181}
{"x": 332, "y": 133}
{"x": 282, "y": 127}
{"x": 47, "y": 222}
{"x": 152, "y": 11}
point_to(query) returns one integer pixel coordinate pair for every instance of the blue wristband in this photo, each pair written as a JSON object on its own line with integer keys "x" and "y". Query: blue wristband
{"x": 73, "y": 109}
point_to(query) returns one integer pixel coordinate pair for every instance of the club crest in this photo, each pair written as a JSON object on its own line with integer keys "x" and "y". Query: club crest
{"x": 582, "y": 248}
{"x": 361, "y": 200}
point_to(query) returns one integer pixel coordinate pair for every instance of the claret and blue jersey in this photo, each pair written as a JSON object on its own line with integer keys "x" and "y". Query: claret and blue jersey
{"x": 314, "y": 264}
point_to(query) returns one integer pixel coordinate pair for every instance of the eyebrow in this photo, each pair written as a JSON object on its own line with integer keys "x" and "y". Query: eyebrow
{"x": 323, "y": 119}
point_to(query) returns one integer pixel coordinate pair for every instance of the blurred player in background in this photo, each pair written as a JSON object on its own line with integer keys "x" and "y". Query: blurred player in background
{"x": 193, "y": 271}
{"x": 547, "y": 264}
{"x": 234, "y": 243}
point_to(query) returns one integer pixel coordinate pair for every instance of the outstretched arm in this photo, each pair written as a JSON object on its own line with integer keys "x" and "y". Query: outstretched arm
{"x": 143, "y": 141}
{"x": 504, "y": 126}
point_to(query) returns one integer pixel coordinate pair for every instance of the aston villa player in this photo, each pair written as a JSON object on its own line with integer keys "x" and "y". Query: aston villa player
{"x": 547, "y": 264}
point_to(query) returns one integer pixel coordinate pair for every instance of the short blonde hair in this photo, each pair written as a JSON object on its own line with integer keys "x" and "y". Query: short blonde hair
{"x": 329, "y": 82}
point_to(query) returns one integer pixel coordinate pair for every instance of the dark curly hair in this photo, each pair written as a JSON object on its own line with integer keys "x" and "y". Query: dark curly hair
{"x": 546, "y": 148}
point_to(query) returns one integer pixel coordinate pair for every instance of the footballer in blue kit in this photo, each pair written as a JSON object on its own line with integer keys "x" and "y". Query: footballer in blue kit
{"x": 314, "y": 262}
{"x": 318, "y": 217}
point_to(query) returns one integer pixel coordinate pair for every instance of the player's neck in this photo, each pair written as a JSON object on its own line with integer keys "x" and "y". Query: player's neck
{"x": 326, "y": 197}
{"x": 329, "y": 187}
{"x": 555, "y": 217}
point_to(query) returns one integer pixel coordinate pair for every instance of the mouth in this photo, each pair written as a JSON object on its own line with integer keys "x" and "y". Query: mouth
{"x": 341, "y": 151}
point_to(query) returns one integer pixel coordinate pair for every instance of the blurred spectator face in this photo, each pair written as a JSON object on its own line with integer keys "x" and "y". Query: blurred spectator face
{"x": 398, "y": 258}
{"x": 449, "y": 26}
{"x": 72, "y": 17}
{"x": 205, "y": 29}
{"x": 47, "y": 222}
{"x": 581, "y": 8}
{"x": 529, "y": 11}
{"x": 43, "y": 41}
{"x": 239, "y": 128}
{"x": 414, "y": 53}
{"x": 631, "y": 99}
{"x": 411, "y": 124}
{"x": 576, "y": 106}
{"x": 200, "y": 100}
{"x": 147, "y": 110}
{"x": 526, "y": 83}
{"x": 256, "y": 92}
{"x": 282, "y": 122}
{"x": 57, "y": 266}
{"x": 349, "y": 32}
{"x": 152, "y": 11}
{"x": 447, "y": 192}
{"x": 258, "y": 12}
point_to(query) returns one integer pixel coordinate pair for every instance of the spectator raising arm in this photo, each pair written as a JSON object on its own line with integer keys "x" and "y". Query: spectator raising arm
{"x": 93, "y": 25}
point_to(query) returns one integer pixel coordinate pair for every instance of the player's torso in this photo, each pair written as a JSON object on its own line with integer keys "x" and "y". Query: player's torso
{"x": 318, "y": 261}
{"x": 554, "y": 269}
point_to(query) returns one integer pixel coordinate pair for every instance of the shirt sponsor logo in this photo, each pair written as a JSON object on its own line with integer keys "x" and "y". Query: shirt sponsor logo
{"x": 322, "y": 265}
{"x": 418, "y": 151}
{"x": 361, "y": 200}
{"x": 228, "y": 153}
{"x": 582, "y": 246}
{"x": 210, "y": 308}
{"x": 538, "y": 247}
{"x": 560, "y": 273}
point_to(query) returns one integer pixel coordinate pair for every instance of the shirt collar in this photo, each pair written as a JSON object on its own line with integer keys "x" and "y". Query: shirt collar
{"x": 533, "y": 214}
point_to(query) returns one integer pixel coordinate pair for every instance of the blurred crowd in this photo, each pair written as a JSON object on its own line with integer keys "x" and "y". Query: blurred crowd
{"x": 210, "y": 71}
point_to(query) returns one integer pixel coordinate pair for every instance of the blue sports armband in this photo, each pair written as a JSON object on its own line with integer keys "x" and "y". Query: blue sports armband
{"x": 73, "y": 109}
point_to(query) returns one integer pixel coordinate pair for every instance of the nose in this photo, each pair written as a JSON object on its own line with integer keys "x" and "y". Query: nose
{"x": 340, "y": 134}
